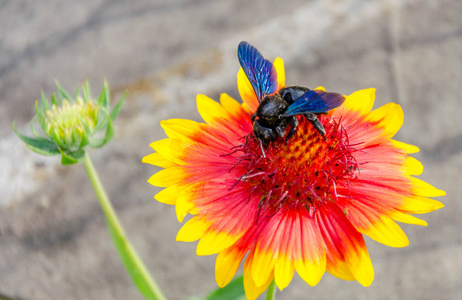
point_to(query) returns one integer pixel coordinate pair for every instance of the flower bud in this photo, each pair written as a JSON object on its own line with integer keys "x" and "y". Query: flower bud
{"x": 70, "y": 124}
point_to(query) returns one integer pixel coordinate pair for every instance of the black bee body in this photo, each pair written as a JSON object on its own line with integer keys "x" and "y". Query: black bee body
{"x": 269, "y": 121}
{"x": 279, "y": 107}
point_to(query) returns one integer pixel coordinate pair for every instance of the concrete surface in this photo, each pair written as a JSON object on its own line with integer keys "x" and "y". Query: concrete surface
{"x": 53, "y": 241}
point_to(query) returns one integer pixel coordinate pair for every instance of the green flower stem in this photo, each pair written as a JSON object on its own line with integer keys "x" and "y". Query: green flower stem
{"x": 131, "y": 259}
{"x": 271, "y": 291}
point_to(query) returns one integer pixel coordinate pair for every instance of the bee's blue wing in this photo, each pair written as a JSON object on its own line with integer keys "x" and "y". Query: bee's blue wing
{"x": 260, "y": 71}
{"x": 314, "y": 101}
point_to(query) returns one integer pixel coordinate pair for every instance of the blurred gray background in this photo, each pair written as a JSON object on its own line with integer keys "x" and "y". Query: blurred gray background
{"x": 53, "y": 240}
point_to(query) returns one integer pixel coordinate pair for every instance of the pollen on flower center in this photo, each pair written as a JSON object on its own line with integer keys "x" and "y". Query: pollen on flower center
{"x": 303, "y": 171}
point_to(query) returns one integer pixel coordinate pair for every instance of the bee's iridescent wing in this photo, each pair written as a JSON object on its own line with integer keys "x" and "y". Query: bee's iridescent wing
{"x": 260, "y": 71}
{"x": 314, "y": 101}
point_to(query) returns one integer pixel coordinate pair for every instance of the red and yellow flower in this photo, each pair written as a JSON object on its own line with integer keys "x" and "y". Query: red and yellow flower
{"x": 304, "y": 205}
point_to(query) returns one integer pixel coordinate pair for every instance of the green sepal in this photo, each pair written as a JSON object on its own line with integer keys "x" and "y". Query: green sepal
{"x": 76, "y": 138}
{"x": 39, "y": 114}
{"x": 41, "y": 110}
{"x": 43, "y": 102}
{"x": 76, "y": 94}
{"x": 72, "y": 157}
{"x": 232, "y": 291}
{"x": 61, "y": 142}
{"x": 109, "y": 132}
{"x": 115, "y": 111}
{"x": 41, "y": 146}
{"x": 85, "y": 137}
{"x": 103, "y": 99}
{"x": 102, "y": 120}
{"x": 97, "y": 143}
{"x": 37, "y": 108}
{"x": 63, "y": 94}
{"x": 53, "y": 100}
{"x": 38, "y": 136}
{"x": 86, "y": 92}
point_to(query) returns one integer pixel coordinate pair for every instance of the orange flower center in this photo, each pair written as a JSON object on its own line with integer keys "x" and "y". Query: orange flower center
{"x": 303, "y": 171}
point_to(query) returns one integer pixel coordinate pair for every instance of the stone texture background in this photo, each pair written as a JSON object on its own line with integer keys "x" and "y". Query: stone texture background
{"x": 53, "y": 240}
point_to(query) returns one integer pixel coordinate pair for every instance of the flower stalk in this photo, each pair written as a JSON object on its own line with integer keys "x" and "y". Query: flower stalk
{"x": 132, "y": 261}
{"x": 271, "y": 292}
{"x": 70, "y": 125}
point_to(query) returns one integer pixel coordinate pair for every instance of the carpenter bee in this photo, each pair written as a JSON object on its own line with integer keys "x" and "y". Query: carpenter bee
{"x": 279, "y": 109}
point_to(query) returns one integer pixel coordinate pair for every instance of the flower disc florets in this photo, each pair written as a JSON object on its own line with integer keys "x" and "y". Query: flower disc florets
{"x": 301, "y": 172}
{"x": 72, "y": 123}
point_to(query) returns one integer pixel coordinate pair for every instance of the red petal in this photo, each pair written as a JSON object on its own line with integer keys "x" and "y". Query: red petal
{"x": 347, "y": 255}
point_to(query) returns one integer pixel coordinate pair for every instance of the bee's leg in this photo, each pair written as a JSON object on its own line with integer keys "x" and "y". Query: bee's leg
{"x": 280, "y": 130}
{"x": 316, "y": 123}
{"x": 262, "y": 149}
{"x": 294, "y": 122}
